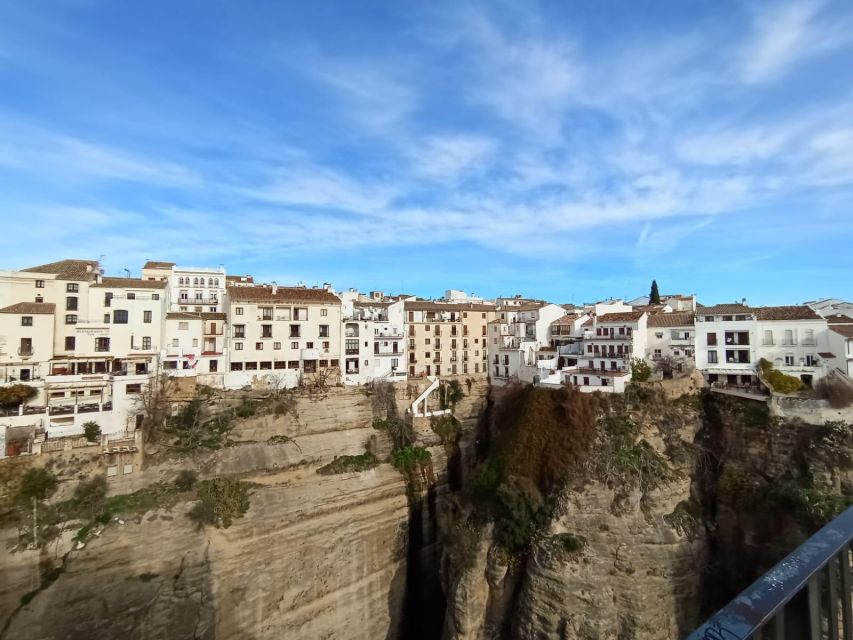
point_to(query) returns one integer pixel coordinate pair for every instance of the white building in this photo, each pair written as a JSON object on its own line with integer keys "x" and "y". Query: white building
{"x": 374, "y": 341}
{"x": 733, "y": 338}
{"x": 672, "y": 336}
{"x": 519, "y": 341}
{"x": 192, "y": 289}
{"x": 840, "y": 339}
{"x": 285, "y": 333}
{"x": 612, "y": 341}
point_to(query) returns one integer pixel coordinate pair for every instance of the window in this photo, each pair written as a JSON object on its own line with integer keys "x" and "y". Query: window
{"x": 276, "y": 345}
{"x": 789, "y": 360}
{"x": 239, "y": 331}
{"x": 351, "y": 347}
{"x": 236, "y": 366}
{"x": 293, "y": 364}
{"x": 195, "y": 342}
{"x": 294, "y": 331}
{"x": 131, "y": 295}
{"x": 259, "y": 346}
{"x": 238, "y": 311}
{"x": 238, "y": 346}
{"x": 72, "y": 287}
{"x": 195, "y": 281}
{"x": 789, "y": 337}
{"x": 39, "y": 299}
{"x": 133, "y": 388}
{"x": 300, "y": 313}
{"x": 146, "y": 316}
{"x": 69, "y": 343}
{"x": 176, "y": 342}
{"x": 808, "y": 338}
{"x": 210, "y": 282}
{"x": 106, "y": 318}
{"x": 324, "y": 330}
{"x": 102, "y": 344}
{"x": 266, "y": 331}
{"x": 326, "y": 346}
{"x": 71, "y": 319}
{"x": 266, "y": 313}
{"x": 183, "y": 326}
{"x": 119, "y": 316}
{"x": 295, "y": 345}
{"x": 155, "y": 296}
{"x": 146, "y": 343}
{"x": 324, "y": 312}
{"x": 658, "y": 334}
{"x": 309, "y": 345}
{"x": 26, "y": 321}
{"x": 71, "y": 303}
{"x": 39, "y": 284}
{"x": 712, "y": 339}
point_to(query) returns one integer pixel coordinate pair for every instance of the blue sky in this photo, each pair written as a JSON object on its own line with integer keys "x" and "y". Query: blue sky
{"x": 571, "y": 151}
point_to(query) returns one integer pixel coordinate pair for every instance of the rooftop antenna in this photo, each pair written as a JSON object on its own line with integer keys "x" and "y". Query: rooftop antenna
{"x": 127, "y": 271}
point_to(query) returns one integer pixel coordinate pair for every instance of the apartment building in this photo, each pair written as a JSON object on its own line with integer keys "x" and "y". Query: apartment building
{"x": 610, "y": 344}
{"x": 567, "y": 335}
{"x": 517, "y": 336}
{"x": 374, "y": 341}
{"x": 285, "y": 332}
{"x": 26, "y": 341}
{"x": 732, "y": 338}
{"x": 447, "y": 338}
{"x": 671, "y": 336}
{"x": 191, "y": 289}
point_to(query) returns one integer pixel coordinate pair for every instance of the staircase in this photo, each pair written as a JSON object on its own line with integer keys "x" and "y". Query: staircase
{"x": 420, "y": 407}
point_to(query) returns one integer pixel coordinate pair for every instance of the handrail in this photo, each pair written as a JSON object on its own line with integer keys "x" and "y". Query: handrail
{"x": 762, "y": 604}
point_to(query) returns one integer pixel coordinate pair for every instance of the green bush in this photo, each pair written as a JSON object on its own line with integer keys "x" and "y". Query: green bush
{"x": 570, "y": 543}
{"x": 447, "y": 427}
{"x": 185, "y": 480}
{"x": 380, "y": 424}
{"x": 92, "y": 431}
{"x": 89, "y": 497}
{"x": 221, "y": 501}
{"x": 519, "y": 516}
{"x": 738, "y": 488}
{"x": 640, "y": 370}
{"x": 780, "y": 382}
{"x": 37, "y": 483}
{"x": 349, "y": 464}
{"x": 16, "y": 394}
{"x": 410, "y": 458}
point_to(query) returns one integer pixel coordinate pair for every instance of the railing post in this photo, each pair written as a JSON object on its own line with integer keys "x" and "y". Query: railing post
{"x": 832, "y": 618}
{"x": 846, "y": 588}
{"x": 814, "y": 607}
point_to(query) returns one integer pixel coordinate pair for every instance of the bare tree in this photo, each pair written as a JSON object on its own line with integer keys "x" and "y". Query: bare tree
{"x": 153, "y": 404}
{"x": 666, "y": 366}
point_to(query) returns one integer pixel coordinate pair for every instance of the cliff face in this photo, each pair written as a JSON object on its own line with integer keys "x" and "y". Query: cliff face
{"x": 617, "y": 559}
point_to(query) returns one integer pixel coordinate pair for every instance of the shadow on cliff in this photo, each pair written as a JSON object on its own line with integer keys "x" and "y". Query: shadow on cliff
{"x": 123, "y": 591}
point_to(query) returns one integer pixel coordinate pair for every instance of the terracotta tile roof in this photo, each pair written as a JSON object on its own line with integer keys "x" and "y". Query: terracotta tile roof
{"x": 567, "y": 319}
{"x": 625, "y": 316}
{"x": 723, "y": 309}
{"x": 588, "y": 323}
{"x": 263, "y": 293}
{"x": 213, "y": 315}
{"x": 674, "y": 319}
{"x": 154, "y": 264}
{"x": 371, "y": 303}
{"x": 236, "y": 278}
{"x": 845, "y": 330}
{"x": 839, "y": 318}
{"x": 530, "y": 306}
{"x": 129, "y": 283}
{"x": 80, "y": 270}
{"x": 429, "y": 305}
{"x": 792, "y": 312}
{"x": 30, "y": 308}
{"x": 182, "y": 315}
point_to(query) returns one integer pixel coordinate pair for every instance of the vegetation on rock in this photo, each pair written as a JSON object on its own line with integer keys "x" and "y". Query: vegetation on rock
{"x": 349, "y": 464}
{"x": 409, "y": 459}
{"x": 221, "y": 501}
{"x": 92, "y": 431}
{"x": 781, "y": 383}
{"x": 37, "y": 483}
{"x": 16, "y": 394}
{"x": 447, "y": 427}
{"x": 640, "y": 370}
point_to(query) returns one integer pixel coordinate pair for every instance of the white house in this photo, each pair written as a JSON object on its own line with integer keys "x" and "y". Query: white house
{"x": 840, "y": 339}
{"x": 191, "y": 289}
{"x": 610, "y": 344}
{"x": 516, "y": 337}
{"x": 733, "y": 338}
{"x": 375, "y": 341}
{"x": 672, "y": 336}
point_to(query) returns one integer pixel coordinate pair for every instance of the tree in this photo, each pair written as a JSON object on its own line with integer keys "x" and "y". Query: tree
{"x": 90, "y": 495}
{"x": 154, "y": 405}
{"x": 92, "y": 431}
{"x": 16, "y": 394}
{"x": 654, "y": 294}
{"x": 640, "y": 370}
{"x": 221, "y": 500}
{"x": 667, "y": 366}
{"x": 38, "y": 484}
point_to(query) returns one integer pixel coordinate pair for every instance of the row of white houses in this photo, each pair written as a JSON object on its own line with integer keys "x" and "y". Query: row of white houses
{"x": 89, "y": 344}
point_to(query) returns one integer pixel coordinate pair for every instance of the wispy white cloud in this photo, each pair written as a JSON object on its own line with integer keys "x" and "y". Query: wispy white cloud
{"x": 785, "y": 34}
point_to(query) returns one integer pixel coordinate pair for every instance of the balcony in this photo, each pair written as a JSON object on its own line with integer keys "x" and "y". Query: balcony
{"x": 609, "y": 373}
{"x": 624, "y": 337}
{"x": 25, "y": 352}
{"x": 351, "y": 352}
{"x": 208, "y": 332}
{"x": 389, "y": 335}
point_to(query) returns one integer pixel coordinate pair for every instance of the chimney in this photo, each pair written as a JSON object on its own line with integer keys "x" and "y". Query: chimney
{"x": 274, "y": 287}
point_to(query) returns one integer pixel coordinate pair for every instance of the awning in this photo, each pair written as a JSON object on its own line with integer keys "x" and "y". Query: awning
{"x": 740, "y": 372}
{"x": 826, "y": 354}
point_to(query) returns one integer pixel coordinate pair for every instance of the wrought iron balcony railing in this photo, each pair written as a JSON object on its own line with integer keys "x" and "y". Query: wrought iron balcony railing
{"x": 806, "y": 596}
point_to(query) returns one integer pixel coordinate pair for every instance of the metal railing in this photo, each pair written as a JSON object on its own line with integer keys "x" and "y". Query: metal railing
{"x": 819, "y": 569}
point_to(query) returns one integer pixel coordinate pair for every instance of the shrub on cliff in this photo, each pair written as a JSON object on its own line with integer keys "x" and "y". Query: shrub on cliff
{"x": 92, "y": 431}
{"x": 37, "y": 483}
{"x": 221, "y": 501}
{"x": 780, "y": 382}
{"x": 349, "y": 464}
{"x": 446, "y": 427}
{"x": 408, "y": 459}
{"x": 640, "y": 370}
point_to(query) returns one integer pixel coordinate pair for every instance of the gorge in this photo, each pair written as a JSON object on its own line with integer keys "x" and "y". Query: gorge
{"x": 536, "y": 513}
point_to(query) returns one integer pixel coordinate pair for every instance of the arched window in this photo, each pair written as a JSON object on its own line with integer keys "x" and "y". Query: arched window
{"x": 195, "y": 281}
{"x": 210, "y": 282}
{"x": 216, "y": 281}
{"x": 180, "y": 281}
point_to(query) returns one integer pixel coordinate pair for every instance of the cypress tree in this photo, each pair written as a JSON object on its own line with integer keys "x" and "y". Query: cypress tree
{"x": 654, "y": 294}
